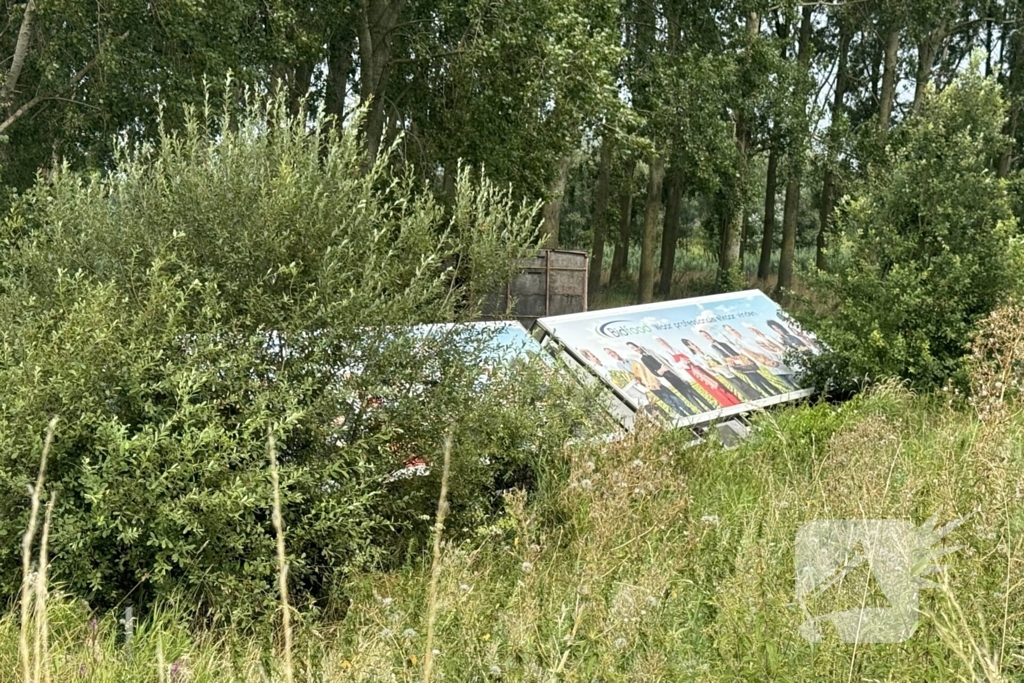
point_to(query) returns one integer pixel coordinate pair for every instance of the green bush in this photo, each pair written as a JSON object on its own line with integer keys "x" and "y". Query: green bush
{"x": 927, "y": 247}
{"x": 238, "y": 278}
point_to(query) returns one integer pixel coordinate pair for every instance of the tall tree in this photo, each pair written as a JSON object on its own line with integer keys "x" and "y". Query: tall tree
{"x": 792, "y": 203}
{"x": 836, "y": 126}
{"x": 1011, "y": 77}
{"x": 675, "y": 181}
{"x": 652, "y": 212}
{"x": 764, "y": 266}
{"x": 600, "y": 217}
{"x": 888, "y": 90}
{"x": 620, "y": 258}
{"x": 729, "y": 265}
{"x": 552, "y": 212}
{"x": 377, "y": 22}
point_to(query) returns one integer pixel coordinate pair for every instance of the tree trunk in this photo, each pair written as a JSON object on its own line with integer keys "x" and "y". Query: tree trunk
{"x": 876, "y": 74}
{"x": 553, "y": 208}
{"x": 449, "y": 182}
{"x": 988, "y": 47}
{"x": 791, "y": 209}
{"x": 1006, "y": 157}
{"x": 744, "y": 237}
{"x": 20, "y": 52}
{"x": 732, "y": 224}
{"x": 789, "y": 221}
{"x": 892, "y": 47}
{"x": 620, "y": 259}
{"x": 1013, "y": 87}
{"x": 302, "y": 78}
{"x": 764, "y": 266}
{"x": 927, "y": 50}
{"x": 339, "y": 66}
{"x": 670, "y": 231}
{"x": 729, "y": 275}
{"x": 600, "y": 217}
{"x": 377, "y": 21}
{"x": 828, "y": 181}
{"x": 652, "y": 212}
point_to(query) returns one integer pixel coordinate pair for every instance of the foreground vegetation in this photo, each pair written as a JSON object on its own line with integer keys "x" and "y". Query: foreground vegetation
{"x": 656, "y": 561}
{"x": 221, "y": 323}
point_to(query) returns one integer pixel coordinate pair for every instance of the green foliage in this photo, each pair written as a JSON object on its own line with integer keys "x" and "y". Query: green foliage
{"x": 504, "y": 87}
{"x": 131, "y": 58}
{"x": 927, "y": 247}
{"x": 668, "y": 562}
{"x": 232, "y": 279}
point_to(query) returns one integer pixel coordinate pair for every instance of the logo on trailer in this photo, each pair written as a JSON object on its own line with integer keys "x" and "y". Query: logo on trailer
{"x": 613, "y": 329}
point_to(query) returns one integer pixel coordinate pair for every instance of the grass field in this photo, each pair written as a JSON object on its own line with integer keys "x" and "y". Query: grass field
{"x": 658, "y": 562}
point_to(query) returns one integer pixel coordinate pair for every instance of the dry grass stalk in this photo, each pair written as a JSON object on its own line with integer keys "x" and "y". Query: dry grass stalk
{"x": 160, "y": 665}
{"x": 26, "y": 558}
{"x": 42, "y": 636}
{"x": 282, "y": 560}
{"x": 435, "y": 565}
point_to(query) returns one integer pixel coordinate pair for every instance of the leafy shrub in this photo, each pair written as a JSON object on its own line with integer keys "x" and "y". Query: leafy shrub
{"x": 996, "y": 363}
{"x": 927, "y": 247}
{"x": 233, "y": 279}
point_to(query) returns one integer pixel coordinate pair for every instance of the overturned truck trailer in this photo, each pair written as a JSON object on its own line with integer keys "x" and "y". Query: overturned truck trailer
{"x": 690, "y": 362}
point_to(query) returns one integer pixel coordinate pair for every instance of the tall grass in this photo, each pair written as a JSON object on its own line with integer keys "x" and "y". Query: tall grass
{"x": 282, "y": 560}
{"x": 435, "y": 564}
{"x": 33, "y": 587}
{"x": 655, "y": 562}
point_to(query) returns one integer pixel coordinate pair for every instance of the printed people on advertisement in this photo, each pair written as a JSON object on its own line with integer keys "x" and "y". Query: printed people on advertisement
{"x": 795, "y": 329}
{"x": 767, "y": 344}
{"x": 683, "y": 387}
{"x": 744, "y": 366}
{"x": 788, "y": 338}
{"x": 704, "y": 378}
{"x": 737, "y": 385}
{"x": 620, "y": 374}
{"x": 663, "y": 392}
{"x": 773, "y": 363}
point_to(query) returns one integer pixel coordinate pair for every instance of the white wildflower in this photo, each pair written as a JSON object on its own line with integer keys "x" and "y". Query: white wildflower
{"x": 711, "y": 520}
{"x": 527, "y": 566}
{"x": 409, "y": 633}
{"x": 620, "y": 643}
{"x": 495, "y": 670}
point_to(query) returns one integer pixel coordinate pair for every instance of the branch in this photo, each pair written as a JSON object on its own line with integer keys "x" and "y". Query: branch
{"x": 436, "y": 55}
{"x": 818, "y": 3}
{"x": 20, "y": 51}
{"x": 72, "y": 84}
{"x": 21, "y": 111}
